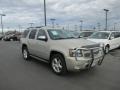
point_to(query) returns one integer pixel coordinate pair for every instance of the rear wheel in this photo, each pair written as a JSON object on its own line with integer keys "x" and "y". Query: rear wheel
{"x": 25, "y": 53}
{"x": 119, "y": 47}
{"x": 11, "y": 39}
{"x": 58, "y": 64}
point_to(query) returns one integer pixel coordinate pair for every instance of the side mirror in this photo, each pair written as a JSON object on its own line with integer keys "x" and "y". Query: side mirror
{"x": 43, "y": 38}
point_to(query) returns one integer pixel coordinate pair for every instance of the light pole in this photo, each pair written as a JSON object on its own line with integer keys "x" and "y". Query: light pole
{"x": 19, "y": 26}
{"x": 81, "y": 26}
{"x": 115, "y": 26}
{"x": 106, "y": 12}
{"x": 53, "y": 22}
{"x": 31, "y": 24}
{"x": 57, "y": 25}
{"x": 99, "y": 26}
{"x": 75, "y": 27}
{"x": 94, "y": 28}
{"x": 68, "y": 26}
{"x": 8, "y": 28}
{"x": 2, "y": 22}
{"x": 45, "y": 12}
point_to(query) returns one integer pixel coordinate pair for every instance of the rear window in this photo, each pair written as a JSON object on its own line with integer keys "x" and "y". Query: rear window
{"x": 32, "y": 34}
{"x": 86, "y": 34}
{"x": 117, "y": 34}
{"x": 25, "y": 33}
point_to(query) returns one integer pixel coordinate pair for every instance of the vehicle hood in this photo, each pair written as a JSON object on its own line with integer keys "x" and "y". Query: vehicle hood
{"x": 98, "y": 40}
{"x": 74, "y": 43}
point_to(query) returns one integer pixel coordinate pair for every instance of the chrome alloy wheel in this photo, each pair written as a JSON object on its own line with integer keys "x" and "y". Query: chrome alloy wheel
{"x": 107, "y": 50}
{"x": 57, "y": 65}
{"x": 25, "y": 54}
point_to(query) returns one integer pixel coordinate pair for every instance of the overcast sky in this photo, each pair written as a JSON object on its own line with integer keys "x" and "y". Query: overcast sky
{"x": 22, "y": 12}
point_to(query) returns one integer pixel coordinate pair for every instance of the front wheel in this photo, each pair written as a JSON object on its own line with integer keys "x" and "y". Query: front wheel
{"x": 107, "y": 49}
{"x": 58, "y": 64}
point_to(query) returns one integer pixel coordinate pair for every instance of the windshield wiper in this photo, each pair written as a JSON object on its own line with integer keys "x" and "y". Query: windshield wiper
{"x": 64, "y": 38}
{"x": 70, "y": 37}
{"x": 59, "y": 38}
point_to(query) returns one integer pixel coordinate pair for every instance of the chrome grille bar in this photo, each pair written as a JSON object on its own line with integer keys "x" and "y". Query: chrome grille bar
{"x": 91, "y": 52}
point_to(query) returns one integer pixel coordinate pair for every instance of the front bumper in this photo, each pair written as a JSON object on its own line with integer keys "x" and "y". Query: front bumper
{"x": 72, "y": 64}
{"x": 75, "y": 63}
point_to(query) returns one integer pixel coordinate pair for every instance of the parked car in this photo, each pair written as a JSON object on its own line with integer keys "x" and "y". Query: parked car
{"x": 86, "y": 34}
{"x": 109, "y": 39}
{"x": 1, "y": 36}
{"x": 10, "y": 37}
{"x": 18, "y": 35}
{"x": 62, "y": 51}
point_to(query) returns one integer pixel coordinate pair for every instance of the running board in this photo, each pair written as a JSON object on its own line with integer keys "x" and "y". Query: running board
{"x": 38, "y": 58}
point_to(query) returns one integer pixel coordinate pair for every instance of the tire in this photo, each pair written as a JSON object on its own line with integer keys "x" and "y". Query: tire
{"x": 25, "y": 53}
{"x": 119, "y": 47}
{"x": 107, "y": 49}
{"x": 11, "y": 39}
{"x": 58, "y": 64}
{"x": 15, "y": 38}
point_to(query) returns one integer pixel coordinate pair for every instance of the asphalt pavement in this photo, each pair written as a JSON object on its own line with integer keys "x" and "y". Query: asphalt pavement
{"x": 18, "y": 74}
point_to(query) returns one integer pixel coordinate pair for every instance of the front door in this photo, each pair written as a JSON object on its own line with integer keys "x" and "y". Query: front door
{"x": 42, "y": 46}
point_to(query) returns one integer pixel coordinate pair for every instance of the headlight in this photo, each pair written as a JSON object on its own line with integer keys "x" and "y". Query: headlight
{"x": 74, "y": 53}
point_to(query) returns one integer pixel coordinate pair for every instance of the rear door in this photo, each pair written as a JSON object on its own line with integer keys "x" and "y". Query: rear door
{"x": 114, "y": 40}
{"x": 31, "y": 41}
{"x": 117, "y": 39}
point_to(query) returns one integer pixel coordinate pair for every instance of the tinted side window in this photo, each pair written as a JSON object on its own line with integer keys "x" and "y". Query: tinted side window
{"x": 113, "y": 35}
{"x": 117, "y": 34}
{"x": 41, "y": 33}
{"x": 25, "y": 33}
{"x": 88, "y": 34}
{"x": 32, "y": 34}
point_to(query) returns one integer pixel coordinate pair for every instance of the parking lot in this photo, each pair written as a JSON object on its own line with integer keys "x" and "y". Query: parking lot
{"x": 18, "y": 74}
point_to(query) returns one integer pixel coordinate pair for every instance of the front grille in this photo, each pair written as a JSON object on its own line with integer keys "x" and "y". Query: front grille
{"x": 96, "y": 52}
{"x": 88, "y": 54}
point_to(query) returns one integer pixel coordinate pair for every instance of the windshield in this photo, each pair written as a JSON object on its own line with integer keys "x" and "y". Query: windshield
{"x": 100, "y": 35}
{"x": 75, "y": 34}
{"x": 60, "y": 34}
{"x": 85, "y": 34}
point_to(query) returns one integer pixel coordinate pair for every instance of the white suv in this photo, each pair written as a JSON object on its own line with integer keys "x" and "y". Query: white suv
{"x": 62, "y": 51}
{"x": 109, "y": 39}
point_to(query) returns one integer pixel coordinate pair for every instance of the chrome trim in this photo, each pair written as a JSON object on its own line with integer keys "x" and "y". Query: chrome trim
{"x": 92, "y": 54}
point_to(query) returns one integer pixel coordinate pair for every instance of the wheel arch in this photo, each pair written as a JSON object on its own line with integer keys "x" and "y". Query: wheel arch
{"x": 56, "y": 52}
{"x": 64, "y": 60}
{"x": 108, "y": 45}
{"x": 23, "y": 46}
